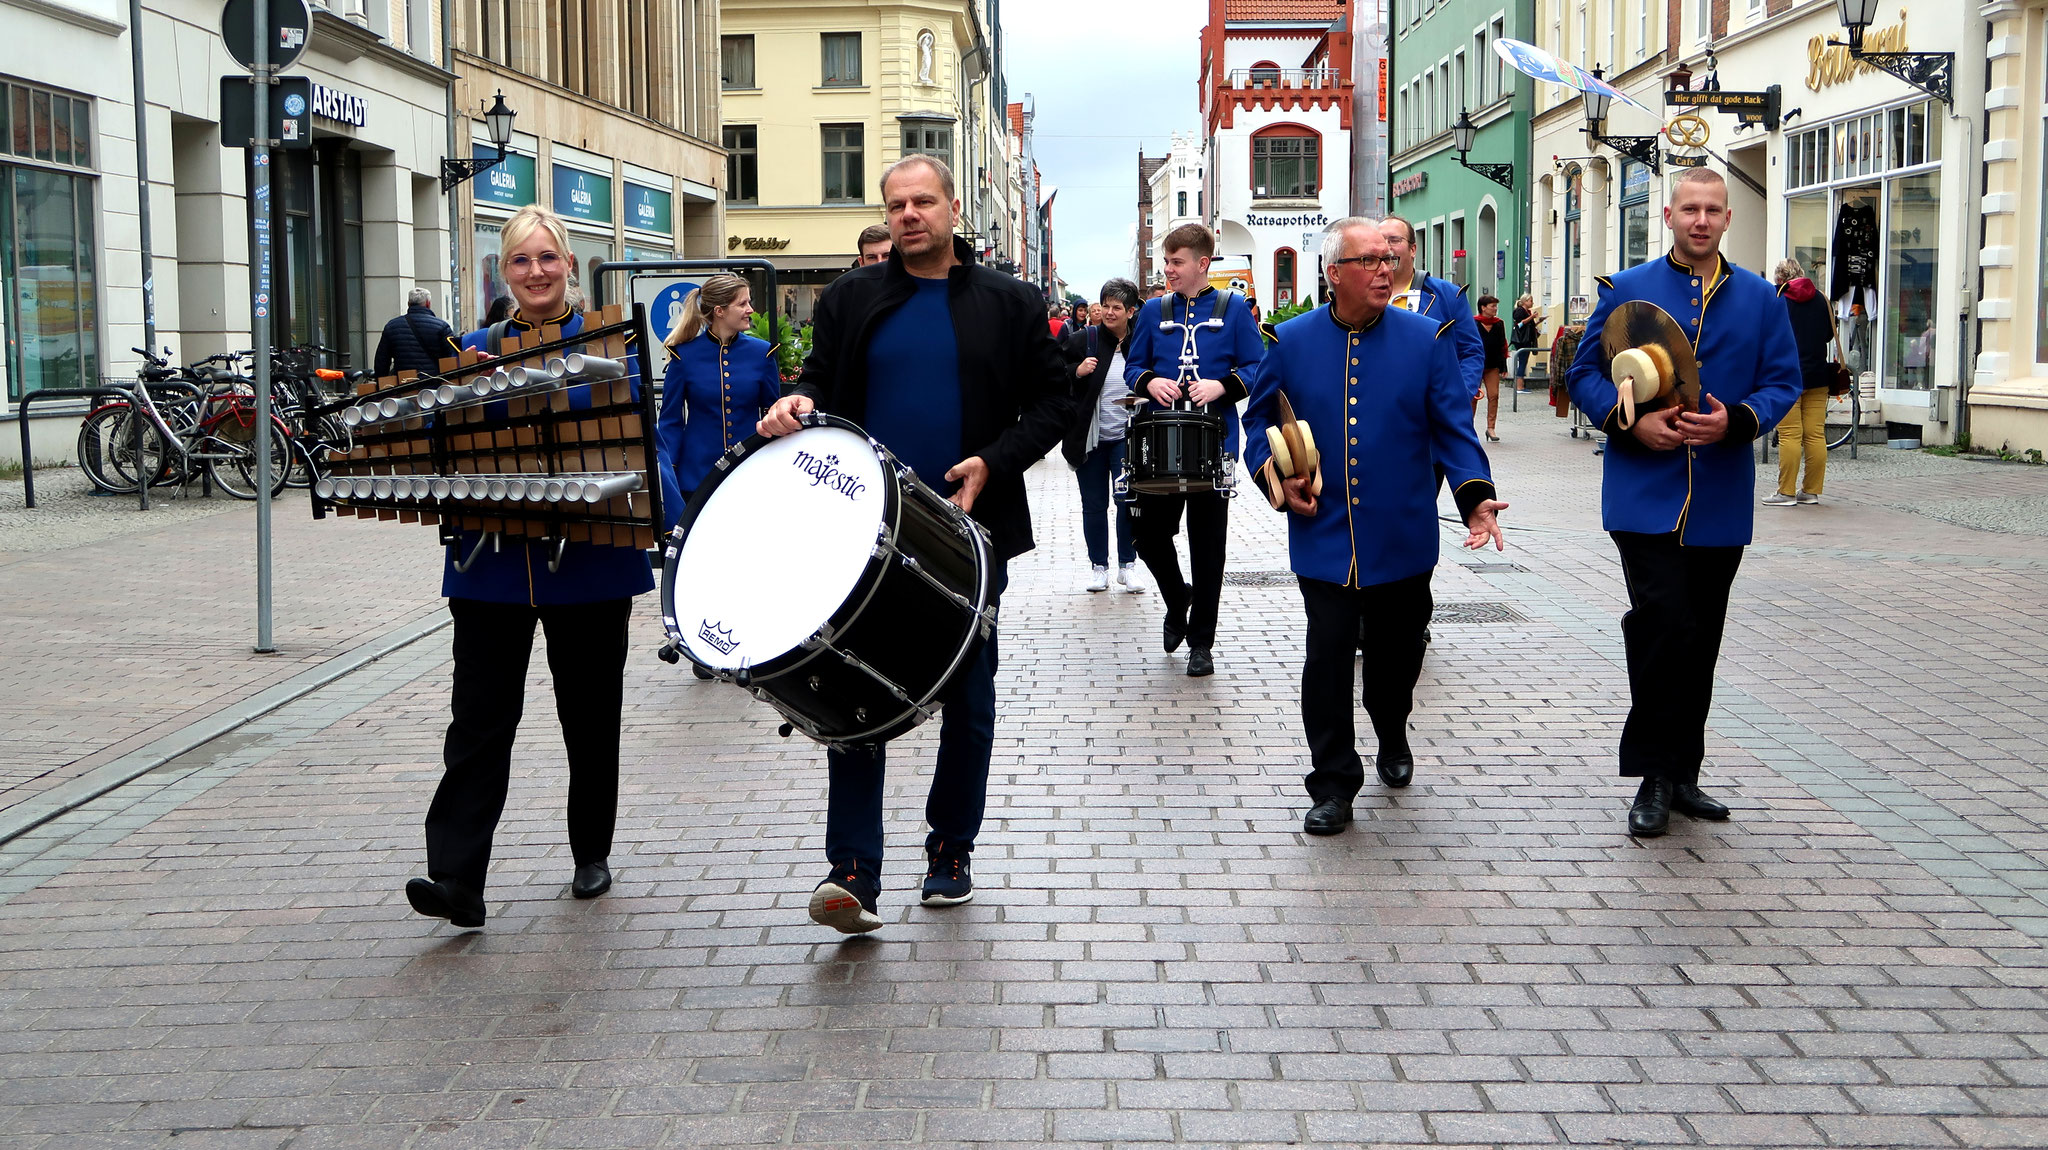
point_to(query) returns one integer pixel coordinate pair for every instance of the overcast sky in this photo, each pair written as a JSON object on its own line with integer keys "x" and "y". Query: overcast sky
{"x": 1107, "y": 76}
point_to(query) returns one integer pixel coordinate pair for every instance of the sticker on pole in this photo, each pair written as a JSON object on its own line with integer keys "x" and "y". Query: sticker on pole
{"x": 287, "y": 26}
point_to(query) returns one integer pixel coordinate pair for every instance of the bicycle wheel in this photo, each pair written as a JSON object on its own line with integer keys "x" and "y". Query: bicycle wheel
{"x": 107, "y": 451}
{"x": 322, "y": 439}
{"x": 1855, "y": 417}
{"x": 234, "y": 469}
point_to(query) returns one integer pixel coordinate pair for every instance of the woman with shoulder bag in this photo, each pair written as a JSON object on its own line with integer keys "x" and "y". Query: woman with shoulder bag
{"x": 1094, "y": 443}
{"x": 1802, "y": 434}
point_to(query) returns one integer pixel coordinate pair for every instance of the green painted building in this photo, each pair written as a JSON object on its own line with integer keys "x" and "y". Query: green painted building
{"x": 1469, "y": 228}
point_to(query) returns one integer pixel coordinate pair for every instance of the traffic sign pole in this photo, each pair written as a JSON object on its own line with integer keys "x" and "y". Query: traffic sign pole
{"x": 260, "y": 301}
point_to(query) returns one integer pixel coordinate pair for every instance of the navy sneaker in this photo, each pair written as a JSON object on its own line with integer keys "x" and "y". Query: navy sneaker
{"x": 845, "y": 901}
{"x": 947, "y": 878}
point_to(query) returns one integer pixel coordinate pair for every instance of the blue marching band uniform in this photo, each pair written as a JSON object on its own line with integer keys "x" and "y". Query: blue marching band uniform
{"x": 1388, "y": 408}
{"x": 712, "y": 395}
{"x": 1227, "y": 356}
{"x": 1680, "y": 518}
{"x": 1445, "y": 302}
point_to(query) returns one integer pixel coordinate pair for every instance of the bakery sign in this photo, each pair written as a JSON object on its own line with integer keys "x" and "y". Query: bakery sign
{"x": 1829, "y": 63}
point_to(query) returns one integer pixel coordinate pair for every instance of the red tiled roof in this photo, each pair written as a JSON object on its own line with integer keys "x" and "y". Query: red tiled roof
{"x": 1016, "y": 112}
{"x": 1284, "y": 9}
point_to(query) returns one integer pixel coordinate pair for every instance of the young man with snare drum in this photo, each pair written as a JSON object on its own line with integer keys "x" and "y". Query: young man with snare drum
{"x": 1225, "y": 356}
{"x": 1381, "y": 392}
{"x": 951, "y": 367}
{"x": 1679, "y": 492}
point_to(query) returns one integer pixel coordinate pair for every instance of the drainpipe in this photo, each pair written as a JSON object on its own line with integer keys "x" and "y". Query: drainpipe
{"x": 454, "y": 216}
{"x": 142, "y": 175}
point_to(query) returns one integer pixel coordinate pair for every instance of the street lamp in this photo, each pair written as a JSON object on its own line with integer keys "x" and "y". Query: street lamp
{"x": 1642, "y": 149}
{"x": 1462, "y": 134}
{"x": 1931, "y": 72}
{"x": 498, "y": 122}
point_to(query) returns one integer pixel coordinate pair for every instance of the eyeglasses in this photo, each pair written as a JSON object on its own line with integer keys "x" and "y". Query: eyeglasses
{"x": 1368, "y": 262}
{"x": 524, "y": 265}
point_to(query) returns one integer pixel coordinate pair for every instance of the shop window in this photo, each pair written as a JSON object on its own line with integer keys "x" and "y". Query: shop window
{"x": 318, "y": 261}
{"x": 48, "y": 241}
{"x": 2041, "y": 251}
{"x": 742, "y": 164}
{"x": 1286, "y": 163}
{"x": 1283, "y": 277}
{"x": 490, "y": 281}
{"x": 1806, "y": 236}
{"x": 1911, "y": 264}
{"x": 736, "y": 62}
{"x": 842, "y": 59}
{"x": 929, "y": 139}
{"x": 845, "y": 152}
{"x": 1635, "y": 213}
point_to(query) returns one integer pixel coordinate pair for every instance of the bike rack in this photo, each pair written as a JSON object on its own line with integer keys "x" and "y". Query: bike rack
{"x": 28, "y": 466}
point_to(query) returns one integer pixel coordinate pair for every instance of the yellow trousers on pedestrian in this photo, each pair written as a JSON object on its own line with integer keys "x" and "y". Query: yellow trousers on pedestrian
{"x": 1803, "y": 432}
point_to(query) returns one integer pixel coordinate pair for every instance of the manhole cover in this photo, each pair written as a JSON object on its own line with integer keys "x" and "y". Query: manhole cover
{"x": 1260, "y": 578}
{"x": 1476, "y": 613}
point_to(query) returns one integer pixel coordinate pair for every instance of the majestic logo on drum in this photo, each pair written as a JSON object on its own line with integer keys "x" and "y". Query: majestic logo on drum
{"x": 825, "y": 472}
{"x": 717, "y": 636}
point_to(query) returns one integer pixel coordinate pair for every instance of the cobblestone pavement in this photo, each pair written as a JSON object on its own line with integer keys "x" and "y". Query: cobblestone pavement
{"x": 219, "y": 955}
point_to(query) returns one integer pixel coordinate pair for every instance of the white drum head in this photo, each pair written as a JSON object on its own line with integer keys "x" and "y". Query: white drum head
{"x": 778, "y": 547}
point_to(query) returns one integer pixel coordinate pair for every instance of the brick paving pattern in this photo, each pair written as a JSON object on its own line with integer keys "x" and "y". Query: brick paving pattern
{"x": 219, "y": 954}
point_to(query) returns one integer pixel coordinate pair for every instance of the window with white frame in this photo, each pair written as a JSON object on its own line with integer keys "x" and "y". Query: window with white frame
{"x": 1642, "y": 29}
{"x": 1481, "y": 96}
{"x": 1498, "y": 31}
{"x": 1458, "y": 88}
{"x": 1702, "y": 20}
{"x": 1613, "y": 36}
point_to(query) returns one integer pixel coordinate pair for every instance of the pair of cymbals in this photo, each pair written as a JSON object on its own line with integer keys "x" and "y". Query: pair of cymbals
{"x": 1650, "y": 359}
{"x": 1294, "y": 453}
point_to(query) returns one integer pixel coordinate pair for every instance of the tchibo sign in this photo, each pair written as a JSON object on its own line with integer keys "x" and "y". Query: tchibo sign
{"x": 339, "y": 106}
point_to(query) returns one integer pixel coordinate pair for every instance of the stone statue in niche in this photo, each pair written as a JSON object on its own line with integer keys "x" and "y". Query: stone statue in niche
{"x": 924, "y": 57}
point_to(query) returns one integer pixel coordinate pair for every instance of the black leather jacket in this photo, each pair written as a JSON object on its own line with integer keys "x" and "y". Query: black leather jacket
{"x": 1087, "y": 389}
{"x": 1014, "y": 401}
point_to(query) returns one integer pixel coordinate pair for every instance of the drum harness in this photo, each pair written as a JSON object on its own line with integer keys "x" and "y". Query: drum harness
{"x": 1190, "y": 371}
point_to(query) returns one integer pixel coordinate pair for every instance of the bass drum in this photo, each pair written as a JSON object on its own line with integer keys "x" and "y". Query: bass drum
{"x": 820, "y": 574}
{"x": 1175, "y": 451}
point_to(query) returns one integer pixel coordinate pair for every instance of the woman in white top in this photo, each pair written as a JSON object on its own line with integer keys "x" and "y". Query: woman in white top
{"x": 1094, "y": 443}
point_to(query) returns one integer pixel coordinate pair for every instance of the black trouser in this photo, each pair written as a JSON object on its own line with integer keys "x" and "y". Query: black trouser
{"x": 1677, "y": 602}
{"x": 1155, "y": 520}
{"x": 587, "y": 658}
{"x": 1386, "y": 620}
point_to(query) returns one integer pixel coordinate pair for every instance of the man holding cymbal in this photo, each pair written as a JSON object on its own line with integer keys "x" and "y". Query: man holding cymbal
{"x": 1380, "y": 391}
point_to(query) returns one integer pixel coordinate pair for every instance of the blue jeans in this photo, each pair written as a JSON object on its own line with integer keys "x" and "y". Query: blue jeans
{"x": 1097, "y": 475}
{"x": 959, "y": 794}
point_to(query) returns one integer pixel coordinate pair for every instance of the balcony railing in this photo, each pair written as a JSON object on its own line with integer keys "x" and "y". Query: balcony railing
{"x": 1282, "y": 78}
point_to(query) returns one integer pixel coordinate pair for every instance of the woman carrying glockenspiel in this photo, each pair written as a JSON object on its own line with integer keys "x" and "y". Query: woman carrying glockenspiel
{"x": 719, "y": 379}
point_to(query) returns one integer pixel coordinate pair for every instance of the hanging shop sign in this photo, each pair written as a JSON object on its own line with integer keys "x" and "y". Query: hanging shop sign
{"x": 1747, "y": 107}
{"x": 1829, "y": 63}
{"x": 581, "y": 195}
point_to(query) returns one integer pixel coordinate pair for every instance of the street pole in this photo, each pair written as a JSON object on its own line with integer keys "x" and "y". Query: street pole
{"x": 260, "y": 301}
{"x": 142, "y": 218}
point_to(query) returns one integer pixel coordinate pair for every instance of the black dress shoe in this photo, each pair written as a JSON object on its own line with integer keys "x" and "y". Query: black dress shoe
{"x": 445, "y": 900}
{"x": 1396, "y": 769}
{"x": 1327, "y": 818}
{"x": 592, "y": 879}
{"x": 1199, "y": 662}
{"x": 1651, "y": 813}
{"x": 1689, "y": 799}
{"x": 1176, "y": 630}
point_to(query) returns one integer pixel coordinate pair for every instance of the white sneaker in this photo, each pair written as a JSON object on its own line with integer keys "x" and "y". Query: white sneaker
{"x": 1099, "y": 579}
{"x": 1806, "y": 497}
{"x": 1127, "y": 576}
{"x": 1774, "y": 499}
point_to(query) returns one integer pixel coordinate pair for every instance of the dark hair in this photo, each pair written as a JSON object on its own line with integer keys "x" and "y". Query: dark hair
{"x": 1406, "y": 226}
{"x": 1489, "y": 299}
{"x": 872, "y": 234}
{"x": 499, "y": 309}
{"x": 1121, "y": 291}
{"x": 1190, "y": 238}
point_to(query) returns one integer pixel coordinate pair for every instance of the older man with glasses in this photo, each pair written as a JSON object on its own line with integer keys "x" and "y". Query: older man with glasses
{"x": 1381, "y": 391}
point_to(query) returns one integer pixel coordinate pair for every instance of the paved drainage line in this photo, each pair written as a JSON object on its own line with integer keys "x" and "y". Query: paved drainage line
{"x": 69, "y": 796}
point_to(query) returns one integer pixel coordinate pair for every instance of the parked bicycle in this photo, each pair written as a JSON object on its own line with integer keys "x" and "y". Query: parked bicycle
{"x": 213, "y": 433}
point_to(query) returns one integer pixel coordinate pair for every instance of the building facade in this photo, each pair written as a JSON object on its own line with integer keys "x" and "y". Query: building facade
{"x": 358, "y": 217}
{"x": 1277, "y": 105}
{"x": 1469, "y": 229}
{"x": 821, "y": 97}
{"x": 617, "y": 129}
{"x": 1146, "y": 234}
{"x": 2007, "y": 397}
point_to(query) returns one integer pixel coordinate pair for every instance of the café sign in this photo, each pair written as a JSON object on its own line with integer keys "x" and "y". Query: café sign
{"x": 755, "y": 243}
{"x": 1828, "y": 65}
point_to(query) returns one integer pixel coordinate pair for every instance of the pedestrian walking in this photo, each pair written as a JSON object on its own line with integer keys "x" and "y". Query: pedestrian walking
{"x": 416, "y": 341}
{"x": 498, "y": 591}
{"x": 1225, "y": 358}
{"x": 1095, "y": 445}
{"x": 1493, "y": 337}
{"x": 1524, "y": 338}
{"x": 1802, "y": 435}
{"x": 499, "y": 309}
{"x": 950, "y": 366}
{"x": 1679, "y": 490}
{"x": 1380, "y": 389}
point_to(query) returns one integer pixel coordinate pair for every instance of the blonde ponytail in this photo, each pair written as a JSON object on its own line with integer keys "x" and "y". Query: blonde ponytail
{"x": 698, "y": 306}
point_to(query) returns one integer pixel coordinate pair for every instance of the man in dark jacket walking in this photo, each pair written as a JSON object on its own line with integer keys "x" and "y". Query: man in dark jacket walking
{"x": 950, "y": 365}
{"x": 417, "y": 340}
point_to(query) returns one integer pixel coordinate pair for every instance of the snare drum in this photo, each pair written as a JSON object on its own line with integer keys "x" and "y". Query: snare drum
{"x": 820, "y": 574}
{"x": 1175, "y": 451}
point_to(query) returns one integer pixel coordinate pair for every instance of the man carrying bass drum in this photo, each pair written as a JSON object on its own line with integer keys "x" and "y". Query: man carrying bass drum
{"x": 951, "y": 367}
